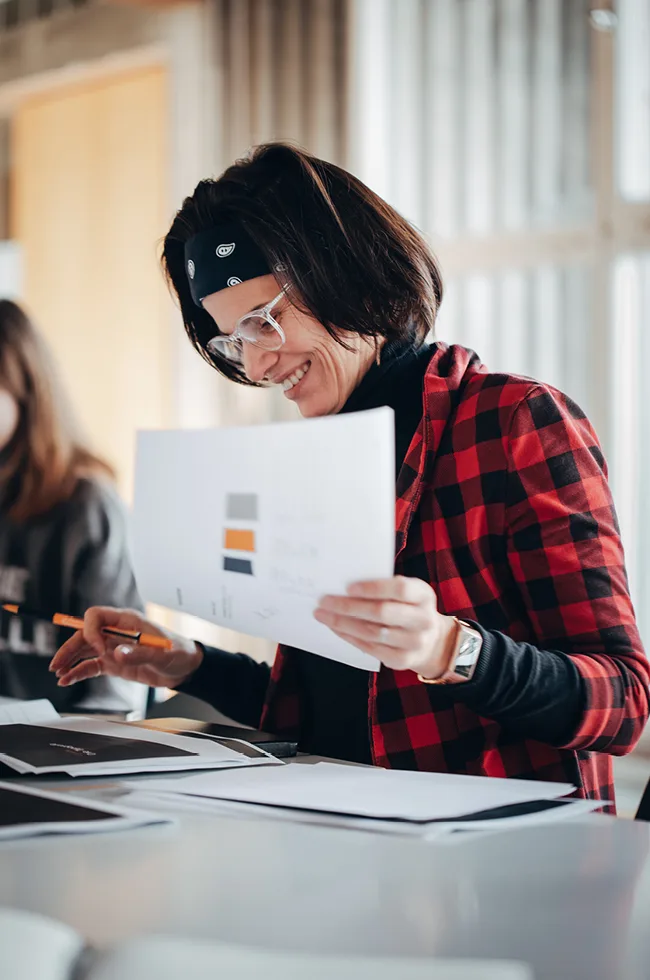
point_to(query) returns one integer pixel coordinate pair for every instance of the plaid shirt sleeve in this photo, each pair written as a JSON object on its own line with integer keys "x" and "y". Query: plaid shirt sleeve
{"x": 566, "y": 555}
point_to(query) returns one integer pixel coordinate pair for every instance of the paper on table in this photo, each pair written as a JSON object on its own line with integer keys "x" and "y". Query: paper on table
{"x": 168, "y": 802}
{"x": 13, "y": 711}
{"x": 27, "y": 812}
{"x": 58, "y": 740}
{"x": 248, "y": 527}
{"x": 35, "y": 946}
{"x": 455, "y": 832}
{"x": 568, "y": 810}
{"x": 389, "y": 794}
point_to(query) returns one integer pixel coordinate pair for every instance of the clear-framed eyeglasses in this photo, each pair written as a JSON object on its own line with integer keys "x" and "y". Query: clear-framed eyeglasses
{"x": 259, "y": 328}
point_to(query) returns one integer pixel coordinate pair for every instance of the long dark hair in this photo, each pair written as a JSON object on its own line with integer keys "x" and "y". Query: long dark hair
{"x": 351, "y": 260}
{"x": 45, "y": 459}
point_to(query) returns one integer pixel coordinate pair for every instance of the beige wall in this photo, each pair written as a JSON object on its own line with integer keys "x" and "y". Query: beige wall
{"x": 88, "y": 205}
{"x": 227, "y": 88}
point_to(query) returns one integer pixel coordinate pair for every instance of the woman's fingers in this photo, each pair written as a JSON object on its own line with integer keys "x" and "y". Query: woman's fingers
{"x": 389, "y": 656}
{"x": 99, "y": 617}
{"x": 91, "y": 651}
{"x": 395, "y": 620}
{"x": 113, "y": 664}
{"x": 384, "y": 611}
{"x": 83, "y": 671}
{"x": 79, "y": 651}
{"x": 93, "y": 637}
{"x": 69, "y": 652}
{"x": 399, "y": 589}
{"x": 371, "y": 632}
{"x": 123, "y": 660}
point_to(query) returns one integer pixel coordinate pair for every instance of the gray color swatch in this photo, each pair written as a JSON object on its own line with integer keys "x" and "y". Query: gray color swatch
{"x": 241, "y": 506}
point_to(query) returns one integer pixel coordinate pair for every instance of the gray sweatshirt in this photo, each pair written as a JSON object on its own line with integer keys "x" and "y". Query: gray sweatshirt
{"x": 73, "y": 557}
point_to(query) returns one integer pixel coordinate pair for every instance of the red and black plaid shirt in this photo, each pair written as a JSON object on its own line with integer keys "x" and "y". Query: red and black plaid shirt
{"x": 503, "y": 506}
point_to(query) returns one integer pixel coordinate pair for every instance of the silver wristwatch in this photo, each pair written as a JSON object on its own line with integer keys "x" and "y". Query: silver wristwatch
{"x": 464, "y": 657}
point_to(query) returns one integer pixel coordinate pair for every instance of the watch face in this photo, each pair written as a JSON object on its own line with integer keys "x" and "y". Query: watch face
{"x": 468, "y": 653}
{"x": 467, "y": 646}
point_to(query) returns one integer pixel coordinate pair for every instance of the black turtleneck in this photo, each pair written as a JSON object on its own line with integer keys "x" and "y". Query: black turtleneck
{"x": 335, "y": 696}
{"x": 398, "y": 382}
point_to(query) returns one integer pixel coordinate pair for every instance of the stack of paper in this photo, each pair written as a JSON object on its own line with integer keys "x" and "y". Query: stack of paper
{"x": 12, "y": 711}
{"x": 35, "y": 739}
{"x": 379, "y": 800}
{"x": 27, "y": 812}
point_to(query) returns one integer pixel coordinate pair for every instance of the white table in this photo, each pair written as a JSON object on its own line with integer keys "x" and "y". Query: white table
{"x": 571, "y": 899}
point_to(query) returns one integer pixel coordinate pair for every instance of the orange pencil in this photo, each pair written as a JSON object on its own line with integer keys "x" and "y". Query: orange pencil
{"x": 75, "y": 623}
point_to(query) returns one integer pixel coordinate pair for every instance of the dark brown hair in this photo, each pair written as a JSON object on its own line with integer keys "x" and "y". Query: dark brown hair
{"x": 351, "y": 260}
{"x": 44, "y": 460}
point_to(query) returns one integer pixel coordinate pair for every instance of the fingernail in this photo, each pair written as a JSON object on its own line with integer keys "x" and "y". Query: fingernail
{"x": 62, "y": 682}
{"x": 124, "y": 649}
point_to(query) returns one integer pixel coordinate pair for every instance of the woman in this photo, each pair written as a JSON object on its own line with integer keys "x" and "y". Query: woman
{"x": 62, "y": 530}
{"x": 507, "y": 637}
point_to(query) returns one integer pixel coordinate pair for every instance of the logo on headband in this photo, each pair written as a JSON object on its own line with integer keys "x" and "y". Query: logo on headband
{"x": 191, "y": 269}
{"x": 234, "y": 281}
{"x": 223, "y": 251}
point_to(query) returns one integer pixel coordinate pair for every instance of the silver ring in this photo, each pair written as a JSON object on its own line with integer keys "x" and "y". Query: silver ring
{"x": 383, "y": 634}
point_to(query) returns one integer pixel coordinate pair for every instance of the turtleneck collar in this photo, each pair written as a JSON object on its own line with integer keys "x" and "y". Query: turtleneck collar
{"x": 397, "y": 381}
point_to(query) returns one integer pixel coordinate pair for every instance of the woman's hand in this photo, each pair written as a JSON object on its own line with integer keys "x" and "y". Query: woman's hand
{"x": 395, "y": 620}
{"x": 90, "y": 652}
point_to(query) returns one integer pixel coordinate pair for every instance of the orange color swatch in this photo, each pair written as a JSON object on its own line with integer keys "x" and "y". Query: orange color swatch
{"x": 239, "y": 540}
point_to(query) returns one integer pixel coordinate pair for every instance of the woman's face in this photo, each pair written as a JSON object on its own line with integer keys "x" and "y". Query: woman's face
{"x": 315, "y": 371}
{"x": 9, "y": 413}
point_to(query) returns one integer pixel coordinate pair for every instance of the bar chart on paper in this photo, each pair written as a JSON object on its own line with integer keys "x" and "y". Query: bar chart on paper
{"x": 243, "y": 508}
{"x": 248, "y": 527}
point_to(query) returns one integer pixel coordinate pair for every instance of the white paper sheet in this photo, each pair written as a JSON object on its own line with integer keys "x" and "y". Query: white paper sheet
{"x": 455, "y": 832}
{"x": 207, "y": 754}
{"x": 35, "y": 947}
{"x": 387, "y": 794}
{"x": 312, "y": 508}
{"x": 15, "y": 712}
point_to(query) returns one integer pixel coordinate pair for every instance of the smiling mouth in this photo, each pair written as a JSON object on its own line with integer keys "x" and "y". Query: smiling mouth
{"x": 297, "y": 376}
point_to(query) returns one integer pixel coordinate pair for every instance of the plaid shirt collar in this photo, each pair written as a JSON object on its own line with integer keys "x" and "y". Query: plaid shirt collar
{"x": 449, "y": 371}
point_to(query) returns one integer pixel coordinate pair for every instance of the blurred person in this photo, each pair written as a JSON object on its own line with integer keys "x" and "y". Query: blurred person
{"x": 63, "y": 544}
{"x": 507, "y": 638}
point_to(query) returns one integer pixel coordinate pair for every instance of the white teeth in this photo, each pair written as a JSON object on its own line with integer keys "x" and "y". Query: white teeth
{"x": 294, "y": 378}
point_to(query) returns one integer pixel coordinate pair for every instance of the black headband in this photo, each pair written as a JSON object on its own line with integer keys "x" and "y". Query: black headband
{"x": 220, "y": 257}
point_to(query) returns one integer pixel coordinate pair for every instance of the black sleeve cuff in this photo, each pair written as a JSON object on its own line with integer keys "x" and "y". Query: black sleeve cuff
{"x": 536, "y": 693}
{"x": 233, "y": 683}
